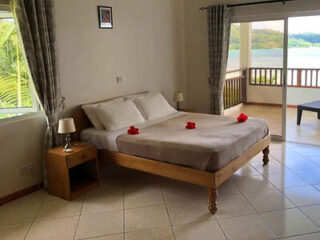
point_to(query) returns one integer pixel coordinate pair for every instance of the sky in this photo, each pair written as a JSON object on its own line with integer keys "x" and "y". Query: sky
{"x": 296, "y": 25}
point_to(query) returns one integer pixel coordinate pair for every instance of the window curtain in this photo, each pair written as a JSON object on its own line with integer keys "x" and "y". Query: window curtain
{"x": 219, "y": 34}
{"x": 36, "y": 26}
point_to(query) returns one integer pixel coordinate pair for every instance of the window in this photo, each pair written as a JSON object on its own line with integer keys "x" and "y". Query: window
{"x": 16, "y": 96}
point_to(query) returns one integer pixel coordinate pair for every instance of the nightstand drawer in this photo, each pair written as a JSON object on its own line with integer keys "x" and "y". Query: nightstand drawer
{"x": 81, "y": 157}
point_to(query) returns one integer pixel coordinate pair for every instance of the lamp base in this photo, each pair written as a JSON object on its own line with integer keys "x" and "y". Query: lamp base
{"x": 67, "y": 150}
{"x": 68, "y": 147}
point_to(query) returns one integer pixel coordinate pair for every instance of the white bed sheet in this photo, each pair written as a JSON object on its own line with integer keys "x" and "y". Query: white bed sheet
{"x": 107, "y": 139}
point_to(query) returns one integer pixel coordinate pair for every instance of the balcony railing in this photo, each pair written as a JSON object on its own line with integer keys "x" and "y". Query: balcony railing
{"x": 297, "y": 77}
{"x": 235, "y": 89}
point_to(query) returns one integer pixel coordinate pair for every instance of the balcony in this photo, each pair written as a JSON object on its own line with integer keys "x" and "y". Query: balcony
{"x": 258, "y": 93}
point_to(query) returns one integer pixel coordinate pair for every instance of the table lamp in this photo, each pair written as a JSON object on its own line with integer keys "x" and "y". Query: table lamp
{"x": 178, "y": 97}
{"x": 66, "y": 126}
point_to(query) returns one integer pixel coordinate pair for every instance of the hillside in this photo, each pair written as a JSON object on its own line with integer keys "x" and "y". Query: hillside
{"x": 270, "y": 39}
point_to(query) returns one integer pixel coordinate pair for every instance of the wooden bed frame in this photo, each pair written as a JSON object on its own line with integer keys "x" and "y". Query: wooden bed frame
{"x": 211, "y": 180}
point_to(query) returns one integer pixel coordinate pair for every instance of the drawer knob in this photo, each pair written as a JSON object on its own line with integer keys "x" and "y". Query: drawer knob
{"x": 83, "y": 156}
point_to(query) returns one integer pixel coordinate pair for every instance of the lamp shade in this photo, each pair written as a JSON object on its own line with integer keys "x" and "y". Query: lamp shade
{"x": 178, "y": 97}
{"x": 66, "y": 125}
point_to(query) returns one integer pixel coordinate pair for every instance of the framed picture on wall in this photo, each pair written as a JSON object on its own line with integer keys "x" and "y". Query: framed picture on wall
{"x": 105, "y": 17}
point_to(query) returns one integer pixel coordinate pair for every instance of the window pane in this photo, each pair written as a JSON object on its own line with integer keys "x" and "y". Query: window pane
{"x": 15, "y": 89}
{"x": 234, "y": 47}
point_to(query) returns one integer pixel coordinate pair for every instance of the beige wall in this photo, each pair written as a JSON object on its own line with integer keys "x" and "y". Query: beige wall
{"x": 196, "y": 42}
{"x": 144, "y": 48}
{"x": 21, "y": 144}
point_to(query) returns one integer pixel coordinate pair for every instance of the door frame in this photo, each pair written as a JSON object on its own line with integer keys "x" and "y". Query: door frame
{"x": 284, "y": 74}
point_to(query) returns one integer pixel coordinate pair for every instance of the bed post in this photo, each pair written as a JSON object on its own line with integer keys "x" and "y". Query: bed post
{"x": 266, "y": 152}
{"x": 213, "y": 194}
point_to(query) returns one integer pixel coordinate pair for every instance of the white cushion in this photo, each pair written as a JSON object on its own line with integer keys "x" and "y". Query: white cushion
{"x": 91, "y": 112}
{"x": 119, "y": 114}
{"x": 154, "y": 106}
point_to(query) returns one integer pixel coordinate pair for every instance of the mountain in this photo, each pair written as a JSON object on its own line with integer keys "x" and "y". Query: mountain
{"x": 271, "y": 39}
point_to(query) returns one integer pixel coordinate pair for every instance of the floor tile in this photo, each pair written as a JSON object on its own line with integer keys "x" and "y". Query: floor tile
{"x": 289, "y": 222}
{"x": 303, "y": 196}
{"x": 250, "y": 227}
{"x": 315, "y": 159}
{"x": 247, "y": 170}
{"x": 146, "y": 218}
{"x": 59, "y": 208}
{"x": 56, "y": 229}
{"x": 186, "y": 211}
{"x": 105, "y": 199}
{"x": 142, "y": 195}
{"x": 313, "y": 212}
{"x": 286, "y": 180}
{"x": 313, "y": 236}
{"x": 99, "y": 224}
{"x": 307, "y": 150}
{"x": 18, "y": 212}
{"x": 228, "y": 189}
{"x": 14, "y": 232}
{"x": 269, "y": 201}
{"x": 233, "y": 206}
{"x": 109, "y": 237}
{"x": 284, "y": 155}
{"x": 311, "y": 176}
{"x": 255, "y": 184}
{"x": 179, "y": 190}
{"x": 317, "y": 186}
{"x": 203, "y": 230}
{"x": 151, "y": 234}
{"x": 272, "y": 167}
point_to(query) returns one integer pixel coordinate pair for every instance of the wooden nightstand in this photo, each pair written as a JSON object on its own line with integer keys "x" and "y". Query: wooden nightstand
{"x": 72, "y": 174}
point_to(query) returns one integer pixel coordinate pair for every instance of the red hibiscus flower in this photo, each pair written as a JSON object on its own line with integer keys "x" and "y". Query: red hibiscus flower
{"x": 133, "y": 131}
{"x": 191, "y": 125}
{"x": 242, "y": 118}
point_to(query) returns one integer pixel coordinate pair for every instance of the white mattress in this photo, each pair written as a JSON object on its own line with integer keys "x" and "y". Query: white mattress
{"x": 107, "y": 139}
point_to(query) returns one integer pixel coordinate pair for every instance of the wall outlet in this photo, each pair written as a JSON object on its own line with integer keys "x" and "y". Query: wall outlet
{"x": 26, "y": 170}
{"x": 119, "y": 79}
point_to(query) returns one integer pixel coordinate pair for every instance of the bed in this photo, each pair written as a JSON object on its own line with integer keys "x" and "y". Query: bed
{"x": 206, "y": 156}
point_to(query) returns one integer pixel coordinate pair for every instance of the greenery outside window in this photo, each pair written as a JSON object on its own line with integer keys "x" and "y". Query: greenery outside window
{"x": 17, "y": 96}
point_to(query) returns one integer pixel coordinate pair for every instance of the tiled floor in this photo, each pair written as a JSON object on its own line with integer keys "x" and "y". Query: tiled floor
{"x": 308, "y": 132}
{"x": 278, "y": 201}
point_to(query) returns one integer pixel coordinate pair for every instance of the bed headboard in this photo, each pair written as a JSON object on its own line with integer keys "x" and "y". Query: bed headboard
{"x": 81, "y": 120}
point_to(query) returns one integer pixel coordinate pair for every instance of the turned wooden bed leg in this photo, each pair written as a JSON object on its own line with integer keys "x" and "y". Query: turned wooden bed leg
{"x": 266, "y": 152}
{"x": 213, "y": 194}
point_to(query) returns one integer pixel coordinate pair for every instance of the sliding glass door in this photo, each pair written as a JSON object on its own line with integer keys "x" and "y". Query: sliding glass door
{"x": 256, "y": 78}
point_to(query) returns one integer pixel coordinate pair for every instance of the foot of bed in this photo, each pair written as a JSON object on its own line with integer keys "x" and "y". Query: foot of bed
{"x": 213, "y": 194}
{"x": 266, "y": 152}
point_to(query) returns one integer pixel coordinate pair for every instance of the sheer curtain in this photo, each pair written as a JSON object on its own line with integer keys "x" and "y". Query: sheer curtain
{"x": 219, "y": 34}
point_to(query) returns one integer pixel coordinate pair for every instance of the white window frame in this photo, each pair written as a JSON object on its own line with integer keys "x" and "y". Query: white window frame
{"x": 23, "y": 110}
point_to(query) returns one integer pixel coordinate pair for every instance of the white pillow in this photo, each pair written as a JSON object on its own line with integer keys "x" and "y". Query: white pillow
{"x": 91, "y": 112}
{"x": 154, "y": 106}
{"x": 119, "y": 114}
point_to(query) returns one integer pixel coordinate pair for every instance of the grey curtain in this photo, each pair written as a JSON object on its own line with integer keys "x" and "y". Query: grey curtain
{"x": 36, "y": 25}
{"x": 219, "y": 34}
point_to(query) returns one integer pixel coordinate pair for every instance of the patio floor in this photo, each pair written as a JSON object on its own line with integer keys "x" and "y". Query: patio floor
{"x": 308, "y": 132}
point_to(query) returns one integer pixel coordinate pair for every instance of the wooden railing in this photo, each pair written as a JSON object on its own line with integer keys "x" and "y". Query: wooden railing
{"x": 235, "y": 88}
{"x": 297, "y": 77}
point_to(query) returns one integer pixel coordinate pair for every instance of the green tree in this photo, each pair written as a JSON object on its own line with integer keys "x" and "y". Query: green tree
{"x": 14, "y": 78}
